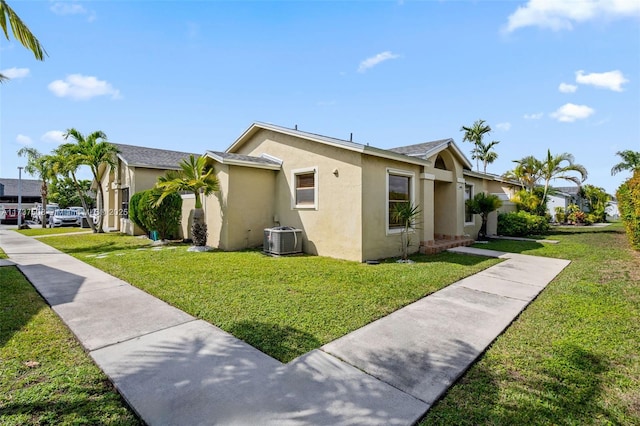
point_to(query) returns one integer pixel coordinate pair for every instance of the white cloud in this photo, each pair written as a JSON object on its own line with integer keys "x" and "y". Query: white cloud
{"x": 567, "y": 88}
{"x": 503, "y": 126}
{"x": 14, "y": 72}
{"x": 71, "y": 8}
{"x": 375, "y": 60}
{"x": 67, "y": 8}
{"x": 81, "y": 87}
{"x": 563, "y": 14}
{"x": 53, "y": 136}
{"x": 612, "y": 80}
{"x": 23, "y": 140}
{"x": 534, "y": 116}
{"x": 568, "y": 113}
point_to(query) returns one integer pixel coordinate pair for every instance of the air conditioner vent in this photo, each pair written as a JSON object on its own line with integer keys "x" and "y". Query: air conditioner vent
{"x": 282, "y": 240}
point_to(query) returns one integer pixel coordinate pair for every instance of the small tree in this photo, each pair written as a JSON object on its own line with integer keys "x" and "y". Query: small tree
{"x": 483, "y": 204}
{"x": 199, "y": 179}
{"x": 405, "y": 214}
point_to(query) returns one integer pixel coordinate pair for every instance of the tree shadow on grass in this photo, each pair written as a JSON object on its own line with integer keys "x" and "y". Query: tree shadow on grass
{"x": 283, "y": 343}
{"x": 564, "y": 390}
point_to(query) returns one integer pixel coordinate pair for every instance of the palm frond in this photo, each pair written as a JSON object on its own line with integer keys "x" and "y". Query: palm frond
{"x": 20, "y": 31}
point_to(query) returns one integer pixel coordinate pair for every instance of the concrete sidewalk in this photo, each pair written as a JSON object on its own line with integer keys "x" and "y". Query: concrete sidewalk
{"x": 174, "y": 369}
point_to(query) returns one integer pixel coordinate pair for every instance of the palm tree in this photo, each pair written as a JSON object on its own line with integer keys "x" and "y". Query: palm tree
{"x": 41, "y": 166}
{"x": 20, "y": 31}
{"x": 527, "y": 171}
{"x": 194, "y": 176}
{"x": 66, "y": 161}
{"x": 94, "y": 151}
{"x": 474, "y": 134}
{"x": 405, "y": 214}
{"x": 483, "y": 204}
{"x": 485, "y": 153}
{"x": 559, "y": 167}
{"x": 630, "y": 161}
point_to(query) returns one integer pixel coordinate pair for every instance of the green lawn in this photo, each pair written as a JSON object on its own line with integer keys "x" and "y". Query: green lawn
{"x": 37, "y": 230}
{"x": 573, "y": 356}
{"x": 283, "y": 306}
{"x": 45, "y": 376}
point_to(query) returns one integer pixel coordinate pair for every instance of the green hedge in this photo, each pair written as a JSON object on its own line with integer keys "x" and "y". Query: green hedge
{"x": 521, "y": 224}
{"x": 628, "y": 195}
{"x": 164, "y": 218}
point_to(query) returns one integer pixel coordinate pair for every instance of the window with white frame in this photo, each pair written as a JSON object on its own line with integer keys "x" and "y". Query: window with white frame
{"x": 399, "y": 191}
{"x": 468, "y": 194}
{"x": 305, "y": 188}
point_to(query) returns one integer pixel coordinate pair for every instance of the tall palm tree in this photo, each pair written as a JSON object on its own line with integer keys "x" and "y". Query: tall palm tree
{"x": 66, "y": 161}
{"x": 485, "y": 153}
{"x": 20, "y": 31}
{"x": 94, "y": 151}
{"x": 559, "y": 167}
{"x": 630, "y": 161}
{"x": 41, "y": 166}
{"x": 527, "y": 171}
{"x": 194, "y": 177}
{"x": 474, "y": 134}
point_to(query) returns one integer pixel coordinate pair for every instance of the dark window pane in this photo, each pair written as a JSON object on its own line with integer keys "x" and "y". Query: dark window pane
{"x": 305, "y": 189}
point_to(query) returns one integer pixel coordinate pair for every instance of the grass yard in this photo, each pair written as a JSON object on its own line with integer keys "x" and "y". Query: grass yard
{"x": 283, "y": 306}
{"x": 37, "y": 230}
{"x": 45, "y": 376}
{"x": 573, "y": 356}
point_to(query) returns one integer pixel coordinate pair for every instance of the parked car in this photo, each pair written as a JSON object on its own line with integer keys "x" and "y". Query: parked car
{"x": 64, "y": 217}
{"x": 9, "y": 215}
{"x": 51, "y": 208}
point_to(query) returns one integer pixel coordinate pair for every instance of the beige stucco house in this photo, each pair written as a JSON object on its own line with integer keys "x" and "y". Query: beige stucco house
{"x": 137, "y": 169}
{"x": 340, "y": 193}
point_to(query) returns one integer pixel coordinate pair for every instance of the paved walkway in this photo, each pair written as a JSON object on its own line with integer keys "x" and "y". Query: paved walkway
{"x": 175, "y": 369}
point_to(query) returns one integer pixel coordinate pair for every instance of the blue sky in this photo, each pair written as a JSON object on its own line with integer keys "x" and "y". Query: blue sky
{"x": 193, "y": 75}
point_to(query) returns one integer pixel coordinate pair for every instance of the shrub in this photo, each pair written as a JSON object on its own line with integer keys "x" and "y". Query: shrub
{"x": 628, "y": 195}
{"x": 561, "y": 216}
{"x": 134, "y": 211}
{"x": 164, "y": 218}
{"x": 530, "y": 202}
{"x": 521, "y": 224}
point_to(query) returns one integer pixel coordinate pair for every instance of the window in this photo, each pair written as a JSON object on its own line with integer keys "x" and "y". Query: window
{"x": 468, "y": 194}
{"x": 399, "y": 191}
{"x": 305, "y": 194}
{"x": 125, "y": 203}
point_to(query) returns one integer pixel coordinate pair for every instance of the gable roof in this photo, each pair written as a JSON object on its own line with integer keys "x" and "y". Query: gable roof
{"x": 429, "y": 149}
{"x": 339, "y": 143}
{"x": 152, "y": 158}
{"x": 30, "y": 187}
{"x": 244, "y": 160}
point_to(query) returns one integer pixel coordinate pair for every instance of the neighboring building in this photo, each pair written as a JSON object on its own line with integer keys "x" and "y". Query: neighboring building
{"x": 30, "y": 191}
{"x": 137, "y": 169}
{"x": 339, "y": 193}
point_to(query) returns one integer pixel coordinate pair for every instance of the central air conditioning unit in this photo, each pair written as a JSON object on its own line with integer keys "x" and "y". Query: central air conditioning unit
{"x": 282, "y": 240}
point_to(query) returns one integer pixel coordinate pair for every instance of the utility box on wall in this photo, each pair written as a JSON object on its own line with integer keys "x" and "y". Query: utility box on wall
{"x": 282, "y": 240}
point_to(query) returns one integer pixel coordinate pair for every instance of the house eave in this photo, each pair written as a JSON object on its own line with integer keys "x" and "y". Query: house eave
{"x": 350, "y": 146}
{"x": 236, "y": 162}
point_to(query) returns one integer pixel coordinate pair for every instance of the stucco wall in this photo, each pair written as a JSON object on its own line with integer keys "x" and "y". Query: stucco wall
{"x": 334, "y": 228}
{"x": 378, "y": 242}
{"x": 250, "y": 207}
